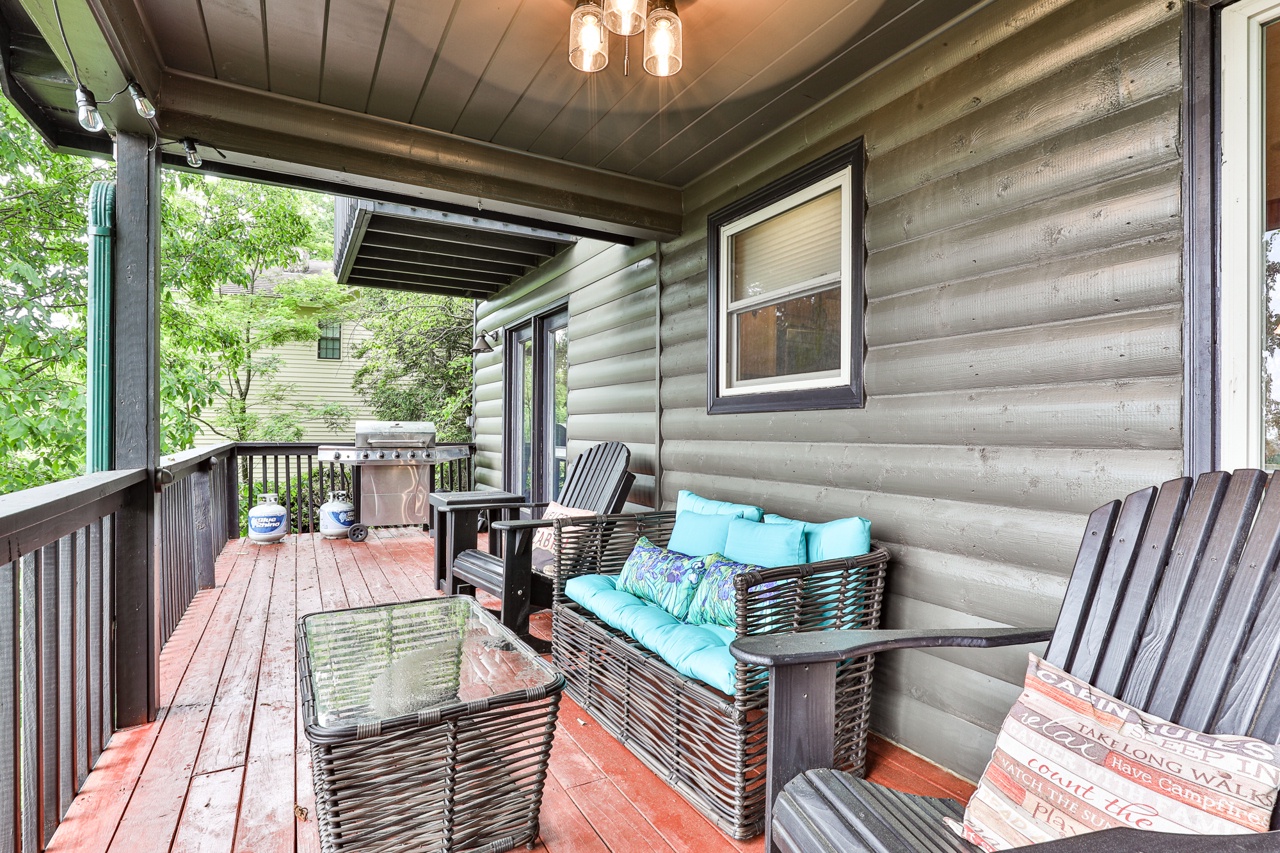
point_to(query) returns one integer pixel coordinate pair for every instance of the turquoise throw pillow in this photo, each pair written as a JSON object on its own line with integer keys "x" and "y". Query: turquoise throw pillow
{"x": 687, "y": 501}
{"x": 662, "y": 577}
{"x": 713, "y": 601}
{"x": 700, "y": 534}
{"x": 768, "y": 545}
{"x": 844, "y": 537}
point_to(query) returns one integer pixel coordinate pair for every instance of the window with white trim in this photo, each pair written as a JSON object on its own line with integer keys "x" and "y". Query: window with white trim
{"x": 785, "y": 292}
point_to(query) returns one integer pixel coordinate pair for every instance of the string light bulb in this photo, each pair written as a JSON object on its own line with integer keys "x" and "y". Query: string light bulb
{"x": 624, "y": 17}
{"x": 194, "y": 159}
{"x": 141, "y": 102}
{"x": 588, "y": 39}
{"x": 663, "y": 40}
{"x": 87, "y": 110}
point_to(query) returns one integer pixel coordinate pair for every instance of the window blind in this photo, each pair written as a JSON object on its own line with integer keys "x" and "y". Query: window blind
{"x": 799, "y": 245}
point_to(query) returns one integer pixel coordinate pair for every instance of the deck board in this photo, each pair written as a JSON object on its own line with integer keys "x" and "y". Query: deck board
{"x": 226, "y": 767}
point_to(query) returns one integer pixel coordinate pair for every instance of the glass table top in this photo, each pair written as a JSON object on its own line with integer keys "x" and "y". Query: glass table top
{"x": 377, "y": 663}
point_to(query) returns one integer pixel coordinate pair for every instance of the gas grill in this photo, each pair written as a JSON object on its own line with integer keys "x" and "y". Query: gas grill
{"x": 391, "y": 463}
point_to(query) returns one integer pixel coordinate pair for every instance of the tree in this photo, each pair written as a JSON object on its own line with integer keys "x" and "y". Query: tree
{"x": 418, "y": 360}
{"x": 43, "y": 258}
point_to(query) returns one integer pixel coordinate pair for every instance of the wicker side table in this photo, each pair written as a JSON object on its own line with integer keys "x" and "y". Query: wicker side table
{"x": 430, "y": 727}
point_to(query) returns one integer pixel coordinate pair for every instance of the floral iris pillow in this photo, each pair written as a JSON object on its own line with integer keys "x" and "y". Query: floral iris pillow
{"x": 713, "y": 601}
{"x": 666, "y": 578}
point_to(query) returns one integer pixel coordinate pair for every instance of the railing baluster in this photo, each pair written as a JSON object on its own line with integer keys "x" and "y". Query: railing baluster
{"x": 102, "y": 566}
{"x": 10, "y": 802}
{"x": 81, "y": 671}
{"x": 54, "y": 747}
{"x": 94, "y": 644}
{"x": 29, "y": 644}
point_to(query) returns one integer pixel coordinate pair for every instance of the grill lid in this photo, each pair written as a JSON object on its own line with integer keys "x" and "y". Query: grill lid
{"x": 395, "y": 434}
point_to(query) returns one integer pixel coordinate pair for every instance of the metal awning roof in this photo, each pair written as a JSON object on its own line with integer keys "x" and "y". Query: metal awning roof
{"x": 430, "y": 250}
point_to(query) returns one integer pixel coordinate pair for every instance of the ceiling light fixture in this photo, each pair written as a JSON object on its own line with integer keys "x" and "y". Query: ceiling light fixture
{"x": 591, "y": 23}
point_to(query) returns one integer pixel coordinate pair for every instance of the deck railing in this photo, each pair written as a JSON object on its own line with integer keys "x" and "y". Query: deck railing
{"x": 56, "y": 655}
{"x": 74, "y": 603}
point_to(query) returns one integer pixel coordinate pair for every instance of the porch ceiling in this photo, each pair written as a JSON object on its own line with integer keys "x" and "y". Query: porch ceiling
{"x": 458, "y": 101}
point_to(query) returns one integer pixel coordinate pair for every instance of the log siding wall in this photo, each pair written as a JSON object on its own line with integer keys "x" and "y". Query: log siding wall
{"x": 612, "y": 293}
{"x": 1024, "y": 364}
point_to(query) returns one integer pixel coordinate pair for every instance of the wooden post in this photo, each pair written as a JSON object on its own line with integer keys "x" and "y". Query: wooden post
{"x": 136, "y": 364}
{"x": 202, "y": 513}
{"x": 802, "y": 728}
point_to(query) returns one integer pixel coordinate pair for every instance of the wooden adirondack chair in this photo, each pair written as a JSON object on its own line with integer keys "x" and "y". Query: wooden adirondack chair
{"x": 597, "y": 481}
{"x": 1173, "y": 606}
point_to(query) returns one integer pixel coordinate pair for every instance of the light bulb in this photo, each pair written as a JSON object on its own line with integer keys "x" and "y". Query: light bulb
{"x": 591, "y": 34}
{"x": 193, "y": 155}
{"x": 624, "y": 17}
{"x": 87, "y": 110}
{"x": 141, "y": 102}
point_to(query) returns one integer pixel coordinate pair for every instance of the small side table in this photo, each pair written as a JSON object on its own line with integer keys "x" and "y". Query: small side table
{"x": 454, "y": 518}
{"x": 430, "y": 727}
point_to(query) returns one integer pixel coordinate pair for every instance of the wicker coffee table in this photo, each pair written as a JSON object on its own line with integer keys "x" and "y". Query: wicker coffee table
{"x": 430, "y": 727}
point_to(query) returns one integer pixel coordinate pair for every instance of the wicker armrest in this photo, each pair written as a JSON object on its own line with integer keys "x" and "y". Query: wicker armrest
{"x": 831, "y": 595}
{"x": 829, "y": 646}
{"x": 600, "y": 544}
{"x": 1126, "y": 840}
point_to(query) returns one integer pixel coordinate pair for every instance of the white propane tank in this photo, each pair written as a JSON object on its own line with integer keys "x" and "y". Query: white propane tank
{"x": 336, "y": 516}
{"x": 268, "y": 521}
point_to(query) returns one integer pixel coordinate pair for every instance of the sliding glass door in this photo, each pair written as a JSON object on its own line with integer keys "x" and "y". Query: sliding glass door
{"x": 537, "y": 405}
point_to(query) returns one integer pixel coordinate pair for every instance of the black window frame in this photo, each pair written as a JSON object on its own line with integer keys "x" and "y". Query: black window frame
{"x": 850, "y": 156}
{"x": 334, "y": 341}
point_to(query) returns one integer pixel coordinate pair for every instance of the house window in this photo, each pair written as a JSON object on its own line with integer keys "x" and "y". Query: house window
{"x": 330, "y": 345}
{"x": 785, "y": 292}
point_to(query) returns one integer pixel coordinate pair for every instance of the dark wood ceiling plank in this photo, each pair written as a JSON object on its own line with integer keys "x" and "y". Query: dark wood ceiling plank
{"x": 295, "y": 46}
{"x": 749, "y": 75}
{"x": 697, "y": 154}
{"x": 551, "y": 87}
{"x": 373, "y": 267}
{"x": 410, "y": 260}
{"x": 467, "y": 236}
{"x": 531, "y": 40}
{"x": 437, "y": 289}
{"x": 433, "y": 248}
{"x": 412, "y": 39}
{"x": 178, "y": 26}
{"x": 591, "y": 103}
{"x": 443, "y": 283}
{"x": 430, "y": 247}
{"x": 352, "y": 48}
{"x": 467, "y": 51}
{"x": 473, "y": 220}
{"x": 456, "y": 170}
{"x": 238, "y": 41}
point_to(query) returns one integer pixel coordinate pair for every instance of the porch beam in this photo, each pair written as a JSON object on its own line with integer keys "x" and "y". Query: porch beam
{"x": 135, "y": 348}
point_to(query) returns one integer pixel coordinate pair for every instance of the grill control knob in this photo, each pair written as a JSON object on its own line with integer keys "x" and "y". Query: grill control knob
{"x": 382, "y": 454}
{"x": 364, "y": 455}
{"x": 413, "y": 454}
{"x": 337, "y": 454}
{"x": 395, "y": 455}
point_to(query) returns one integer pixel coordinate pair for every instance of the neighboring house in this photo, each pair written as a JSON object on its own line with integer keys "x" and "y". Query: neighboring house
{"x": 314, "y": 372}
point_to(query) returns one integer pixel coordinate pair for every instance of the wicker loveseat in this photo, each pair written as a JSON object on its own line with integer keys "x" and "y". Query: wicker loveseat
{"x": 709, "y": 746}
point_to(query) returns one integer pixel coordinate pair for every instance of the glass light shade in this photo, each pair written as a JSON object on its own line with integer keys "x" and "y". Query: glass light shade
{"x": 625, "y": 17}
{"x": 141, "y": 102}
{"x": 588, "y": 38}
{"x": 194, "y": 159}
{"x": 663, "y": 41}
{"x": 87, "y": 110}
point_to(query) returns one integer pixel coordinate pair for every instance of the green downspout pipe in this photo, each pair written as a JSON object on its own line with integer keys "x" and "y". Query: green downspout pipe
{"x": 101, "y": 418}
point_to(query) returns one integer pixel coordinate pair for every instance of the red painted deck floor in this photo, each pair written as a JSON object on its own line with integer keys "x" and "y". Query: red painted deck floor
{"x": 225, "y": 767}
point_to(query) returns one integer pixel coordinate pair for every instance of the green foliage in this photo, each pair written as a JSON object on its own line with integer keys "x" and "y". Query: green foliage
{"x": 418, "y": 360}
{"x": 43, "y": 256}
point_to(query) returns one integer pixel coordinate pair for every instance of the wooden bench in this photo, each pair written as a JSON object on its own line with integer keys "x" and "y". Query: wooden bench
{"x": 1173, "y": 606}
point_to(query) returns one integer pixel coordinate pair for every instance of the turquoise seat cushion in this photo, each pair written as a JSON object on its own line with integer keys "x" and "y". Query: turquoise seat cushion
{"x": 714, "y": 601}
{"x": 700, "y": 533}
{"x": 666, "y": 578}
{"x": 834, "y": 540}
{"x": 696, "y": 651}
{"x": 768, "y": 545}
{"x": 687, "y": 501}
